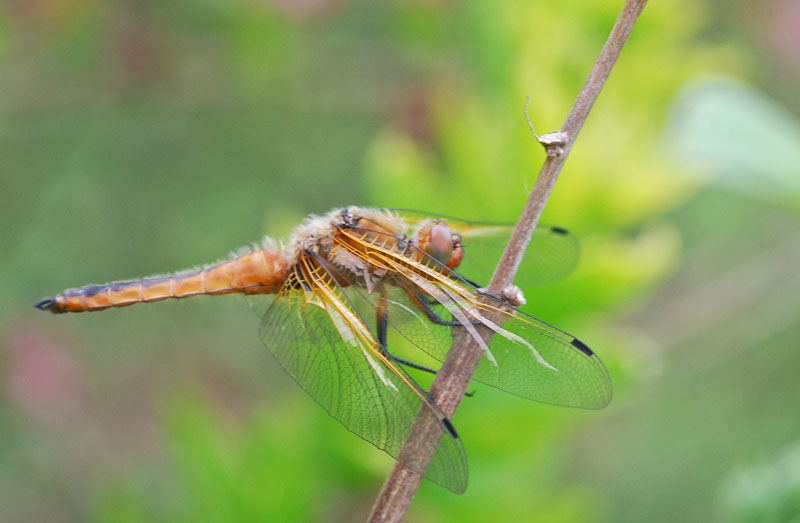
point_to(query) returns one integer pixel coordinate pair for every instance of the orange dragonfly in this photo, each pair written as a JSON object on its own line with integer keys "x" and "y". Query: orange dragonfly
{"x": 330, "y": 299}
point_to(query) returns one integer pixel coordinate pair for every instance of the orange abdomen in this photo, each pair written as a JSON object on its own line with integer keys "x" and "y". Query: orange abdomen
{"x": 259, "y": 272}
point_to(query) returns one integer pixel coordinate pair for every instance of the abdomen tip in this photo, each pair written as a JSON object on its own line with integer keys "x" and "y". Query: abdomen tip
{"x": 47, "y": 304}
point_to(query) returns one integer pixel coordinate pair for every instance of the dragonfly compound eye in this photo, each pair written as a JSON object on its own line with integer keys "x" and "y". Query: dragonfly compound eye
{"x": 439, "y": 242}
{"x": 457, "y": 254}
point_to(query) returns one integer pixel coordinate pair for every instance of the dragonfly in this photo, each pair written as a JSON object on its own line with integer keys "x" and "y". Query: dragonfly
{"x": 330, "y": 298}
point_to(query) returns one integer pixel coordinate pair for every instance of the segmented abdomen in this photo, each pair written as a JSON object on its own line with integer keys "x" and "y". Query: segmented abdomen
{"x": 259, "y": 272}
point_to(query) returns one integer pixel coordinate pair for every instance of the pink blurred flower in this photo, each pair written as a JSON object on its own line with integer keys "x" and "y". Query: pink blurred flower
{"x": 784, "y": 29}
{"x": 42, "y": 378}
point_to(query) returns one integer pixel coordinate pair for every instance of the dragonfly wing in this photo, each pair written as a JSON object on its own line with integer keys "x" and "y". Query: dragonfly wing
{"x": 260, "y": 303}
{"x": 552, "y": 254}
{"x": 525, "y": 357}
{"x": 334, "y": 357}
{"x": 542, "y": 363}
{"x": 534, "y": 360}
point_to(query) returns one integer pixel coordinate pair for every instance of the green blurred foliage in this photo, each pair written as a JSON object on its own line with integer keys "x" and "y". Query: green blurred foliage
{"x": 144, "y": 137}
{"x": 728, "y": 129}
{"x": 483, "y": 165}
{"x": 765, "y": 492}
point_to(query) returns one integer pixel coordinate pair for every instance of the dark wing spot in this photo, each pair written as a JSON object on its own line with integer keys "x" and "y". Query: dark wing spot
{"x": 578, "y": 344}
{"x": 559, "y": 230}
{"x": 450, "y": 428}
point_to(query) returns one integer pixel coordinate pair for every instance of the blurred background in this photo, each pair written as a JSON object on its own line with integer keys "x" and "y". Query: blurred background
{"x": 145, "y": 137}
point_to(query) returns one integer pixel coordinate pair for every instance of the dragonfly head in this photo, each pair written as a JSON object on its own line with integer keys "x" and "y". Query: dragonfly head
{"x": 457, "y": 254}
{"x": 438, "y": 241}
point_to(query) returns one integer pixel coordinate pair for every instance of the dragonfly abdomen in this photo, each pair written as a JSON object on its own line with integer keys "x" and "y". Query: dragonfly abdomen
{"x": 259, "y": 272}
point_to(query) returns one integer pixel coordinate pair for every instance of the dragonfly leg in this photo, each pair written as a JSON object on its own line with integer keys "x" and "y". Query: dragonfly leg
{"x": 382, "y": 335}
{"x": 425, "y": 305}
{"x": 423, "y": 368}
{"x": 409, "y": 363}
{"x": 479, "y": 290}
{"x": 471, "y": 282}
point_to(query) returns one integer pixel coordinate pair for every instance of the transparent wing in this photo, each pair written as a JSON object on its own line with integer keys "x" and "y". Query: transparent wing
{"x": 259, "y": 303}
{"x": 552, "y": 254}
{"x": 534, "y": 360}
{"x": 526, "y": 356}
{"x": 325, "y": 346}
{"x": 543, "y": 363}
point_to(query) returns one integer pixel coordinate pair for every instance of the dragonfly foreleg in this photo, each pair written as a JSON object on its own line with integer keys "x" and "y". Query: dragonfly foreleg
{"x": 425, "y": 305}
{"x": 471, "y": 282}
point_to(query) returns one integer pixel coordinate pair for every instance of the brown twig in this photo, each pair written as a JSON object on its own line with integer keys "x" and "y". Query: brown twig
{"x": 452, "y": 379}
